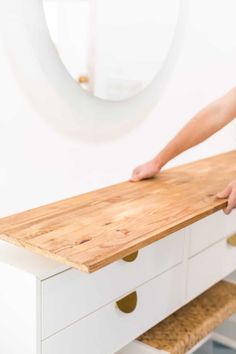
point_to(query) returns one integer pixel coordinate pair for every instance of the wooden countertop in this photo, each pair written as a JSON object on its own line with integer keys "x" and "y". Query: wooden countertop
{"x": 92, "y": 230}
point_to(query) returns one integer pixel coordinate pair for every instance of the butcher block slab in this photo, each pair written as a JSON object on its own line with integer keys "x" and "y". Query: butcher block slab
{"x": 92, "y": 230}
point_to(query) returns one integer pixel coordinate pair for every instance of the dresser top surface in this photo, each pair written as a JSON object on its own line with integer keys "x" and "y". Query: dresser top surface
{"x": 92, "y": 230}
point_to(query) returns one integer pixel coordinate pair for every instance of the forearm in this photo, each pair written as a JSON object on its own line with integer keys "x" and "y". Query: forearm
{"x": 202, "y": 126}
{"x": 206, "y": 123}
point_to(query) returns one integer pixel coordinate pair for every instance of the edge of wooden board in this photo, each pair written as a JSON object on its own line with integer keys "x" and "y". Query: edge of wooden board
{"x": 91, "y": 267}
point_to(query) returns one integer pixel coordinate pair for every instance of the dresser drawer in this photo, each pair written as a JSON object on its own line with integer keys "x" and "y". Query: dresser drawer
{"x": 137, "y": 347}
{"x": 230, "y": 221}
{"x": 210, "y": 266}
{"x": 71, "y": 295}
{"x": 109, "y": 329}
{"x": 211, "y": 229}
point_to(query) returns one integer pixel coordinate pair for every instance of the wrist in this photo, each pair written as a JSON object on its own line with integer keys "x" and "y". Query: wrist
{"x": 158, "y": 163}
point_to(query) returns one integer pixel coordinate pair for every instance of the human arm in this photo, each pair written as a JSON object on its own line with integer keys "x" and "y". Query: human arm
{"x": 203, "y": 125}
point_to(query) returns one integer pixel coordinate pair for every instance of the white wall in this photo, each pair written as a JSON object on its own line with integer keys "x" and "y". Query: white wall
{"x": 39, "y": 166}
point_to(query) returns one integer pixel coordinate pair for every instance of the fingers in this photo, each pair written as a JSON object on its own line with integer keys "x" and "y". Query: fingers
{"x": 134, "y": 178}
{"x": 230, "y": 193}
{"x": 136, "y": 175}
{"x": 139, "y": 176}
{"x": 225, "y": 193}
{"x": 141, "y": 173}
{"x": 231, "y": 202}
{"x": 145, "y": 171}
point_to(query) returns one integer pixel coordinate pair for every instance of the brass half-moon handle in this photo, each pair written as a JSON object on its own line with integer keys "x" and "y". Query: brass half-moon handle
{"x": 129, "y": 303}
{"x": 83, "y": 79}
{"x": 131, "y": 257}
{"x": 232, "y": 240}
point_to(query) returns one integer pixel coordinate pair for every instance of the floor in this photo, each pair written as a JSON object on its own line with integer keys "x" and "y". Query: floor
{"x": 212, "y": 347}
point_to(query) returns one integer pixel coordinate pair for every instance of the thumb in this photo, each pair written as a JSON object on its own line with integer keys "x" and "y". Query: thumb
{"x": 225, "y": 193}
{"x": 135, "y": 176}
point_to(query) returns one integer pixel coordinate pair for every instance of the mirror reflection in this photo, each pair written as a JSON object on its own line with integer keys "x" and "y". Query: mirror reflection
{"x": 112, "y": 48}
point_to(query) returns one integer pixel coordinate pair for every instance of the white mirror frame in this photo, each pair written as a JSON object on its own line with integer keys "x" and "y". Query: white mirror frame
{"x": 55, "y": 95}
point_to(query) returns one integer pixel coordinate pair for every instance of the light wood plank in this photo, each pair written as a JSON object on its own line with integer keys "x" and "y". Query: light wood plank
{"x": 95, "y": 229}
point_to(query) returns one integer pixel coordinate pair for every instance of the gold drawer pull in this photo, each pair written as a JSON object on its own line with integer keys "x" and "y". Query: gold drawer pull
{"x": 131, "y": 257}
{"x": 129, "y": 303}
{"x": 232, "y": 240}
{"x": 83, "y": 79}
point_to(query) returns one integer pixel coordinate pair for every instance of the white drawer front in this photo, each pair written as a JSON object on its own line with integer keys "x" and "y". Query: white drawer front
{"x": 210, "y": 230}
{"x": 210, "y": 266}
{"x": 137, "y": 347}
{"x": 108, "y": 329}
{"x": 230, "y": 221}
{"x": 71, "y": 295}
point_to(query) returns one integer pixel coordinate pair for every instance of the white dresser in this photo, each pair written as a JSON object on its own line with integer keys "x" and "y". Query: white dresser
{"x": 48, "y": 308}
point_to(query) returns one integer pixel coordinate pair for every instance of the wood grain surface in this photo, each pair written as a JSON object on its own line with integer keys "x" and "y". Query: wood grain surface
{"x": 92, "y": 230}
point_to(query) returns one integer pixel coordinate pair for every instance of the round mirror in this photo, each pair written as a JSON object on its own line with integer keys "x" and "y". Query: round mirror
{"x": 112, "y": 48}
{"x": 122, "y": 52}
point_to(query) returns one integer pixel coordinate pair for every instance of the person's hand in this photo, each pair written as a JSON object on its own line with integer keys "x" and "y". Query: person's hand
{"x": 147, "y": 170}
{"x": 230, "y": 193}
